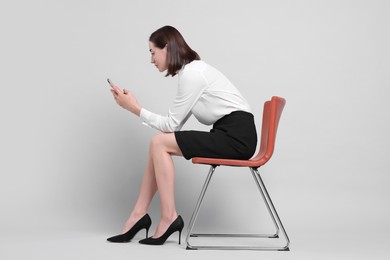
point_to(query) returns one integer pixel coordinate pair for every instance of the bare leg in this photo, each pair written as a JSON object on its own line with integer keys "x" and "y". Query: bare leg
{"x": 161, "y": 148}
{"x": 147, "y": 192}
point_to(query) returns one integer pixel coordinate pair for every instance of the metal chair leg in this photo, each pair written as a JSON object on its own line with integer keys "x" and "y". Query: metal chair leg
{"x": 253, "y": 171}
{"x": 270, "y": 205}
{"x": 198, "y": 205}
{"x": 271, "y": 209}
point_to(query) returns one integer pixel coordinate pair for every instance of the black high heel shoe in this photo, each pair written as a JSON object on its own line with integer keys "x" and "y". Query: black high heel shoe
{"x": 144, "y": 222}
{"x": 176, "y": 225}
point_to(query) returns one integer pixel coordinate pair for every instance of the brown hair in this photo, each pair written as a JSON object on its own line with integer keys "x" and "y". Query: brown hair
{"x": 179, "y": 53}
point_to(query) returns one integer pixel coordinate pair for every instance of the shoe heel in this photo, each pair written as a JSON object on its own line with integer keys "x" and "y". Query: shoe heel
{"x": 147, "y": 231}
{"x": 179, "y": 237}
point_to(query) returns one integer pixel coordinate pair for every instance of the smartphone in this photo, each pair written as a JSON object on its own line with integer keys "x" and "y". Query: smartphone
{"x": 115, "y": 88}
{"x": 110, "y": 82}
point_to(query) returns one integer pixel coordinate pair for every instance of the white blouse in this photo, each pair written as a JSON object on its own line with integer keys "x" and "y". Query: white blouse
{"x": 202, "y": 91}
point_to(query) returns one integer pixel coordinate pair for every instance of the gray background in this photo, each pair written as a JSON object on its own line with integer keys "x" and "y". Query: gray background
{"x": 72, "y": 160}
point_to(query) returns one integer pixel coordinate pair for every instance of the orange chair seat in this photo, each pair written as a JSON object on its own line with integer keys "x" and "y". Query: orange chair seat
{"x": 230, "y": 162}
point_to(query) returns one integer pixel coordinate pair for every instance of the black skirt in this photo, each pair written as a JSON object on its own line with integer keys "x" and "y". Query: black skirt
{"x": 232, "y": 137}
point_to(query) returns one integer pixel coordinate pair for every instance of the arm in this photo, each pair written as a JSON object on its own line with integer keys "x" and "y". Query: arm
{"x": 191, "y": 87}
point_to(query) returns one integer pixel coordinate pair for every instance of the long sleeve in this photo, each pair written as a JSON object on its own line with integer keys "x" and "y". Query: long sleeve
{"x": 191, "y": 85}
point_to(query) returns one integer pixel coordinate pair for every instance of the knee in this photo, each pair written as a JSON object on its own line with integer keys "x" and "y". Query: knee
{"x": 156, "y": 144}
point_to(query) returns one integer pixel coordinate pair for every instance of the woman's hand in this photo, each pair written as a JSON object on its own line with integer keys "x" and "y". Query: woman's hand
{"x": 126, "y": 100}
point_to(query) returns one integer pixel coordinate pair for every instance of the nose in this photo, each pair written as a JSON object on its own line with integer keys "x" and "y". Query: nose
{"x": 151, "y": 59}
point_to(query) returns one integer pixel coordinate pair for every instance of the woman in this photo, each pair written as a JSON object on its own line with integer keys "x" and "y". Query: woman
{"x": 207, "y": 94}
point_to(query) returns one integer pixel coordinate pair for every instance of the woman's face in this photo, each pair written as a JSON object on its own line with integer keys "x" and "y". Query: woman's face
{"x": 159, "y": 57}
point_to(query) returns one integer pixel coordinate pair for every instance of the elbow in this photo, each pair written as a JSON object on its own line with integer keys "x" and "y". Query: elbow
{"x": 172, "y": 129}
{"x": 173, "y": 126}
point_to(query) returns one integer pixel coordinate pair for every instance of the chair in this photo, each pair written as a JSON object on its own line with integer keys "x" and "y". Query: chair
{"x": 271, "y": 115}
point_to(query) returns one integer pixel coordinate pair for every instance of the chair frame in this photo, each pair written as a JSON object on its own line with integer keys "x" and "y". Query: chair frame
{"x": 271, "y": 115}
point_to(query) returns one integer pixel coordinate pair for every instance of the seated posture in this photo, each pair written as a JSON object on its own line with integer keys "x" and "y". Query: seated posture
{"x": 204, "y": 92}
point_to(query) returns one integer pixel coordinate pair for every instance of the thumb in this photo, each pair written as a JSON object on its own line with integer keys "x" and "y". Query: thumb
{"x": 125, "y": 91}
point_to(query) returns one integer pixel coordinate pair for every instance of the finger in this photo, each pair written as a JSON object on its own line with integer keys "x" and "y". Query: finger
{"x": 114, "y": 92}
{"x": 125, "y": 91}
{"x": 116, "y": 89}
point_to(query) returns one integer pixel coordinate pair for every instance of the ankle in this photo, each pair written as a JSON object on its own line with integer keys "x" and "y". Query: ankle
{"x": 137, "y": 215}
{"x": 169, "y": 218}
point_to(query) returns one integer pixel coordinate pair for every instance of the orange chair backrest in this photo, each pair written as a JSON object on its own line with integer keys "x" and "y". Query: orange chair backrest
{"x": 271, "y": 115}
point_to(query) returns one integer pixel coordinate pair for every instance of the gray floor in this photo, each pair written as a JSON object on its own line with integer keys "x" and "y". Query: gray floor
{"x": 92, "y": 245}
